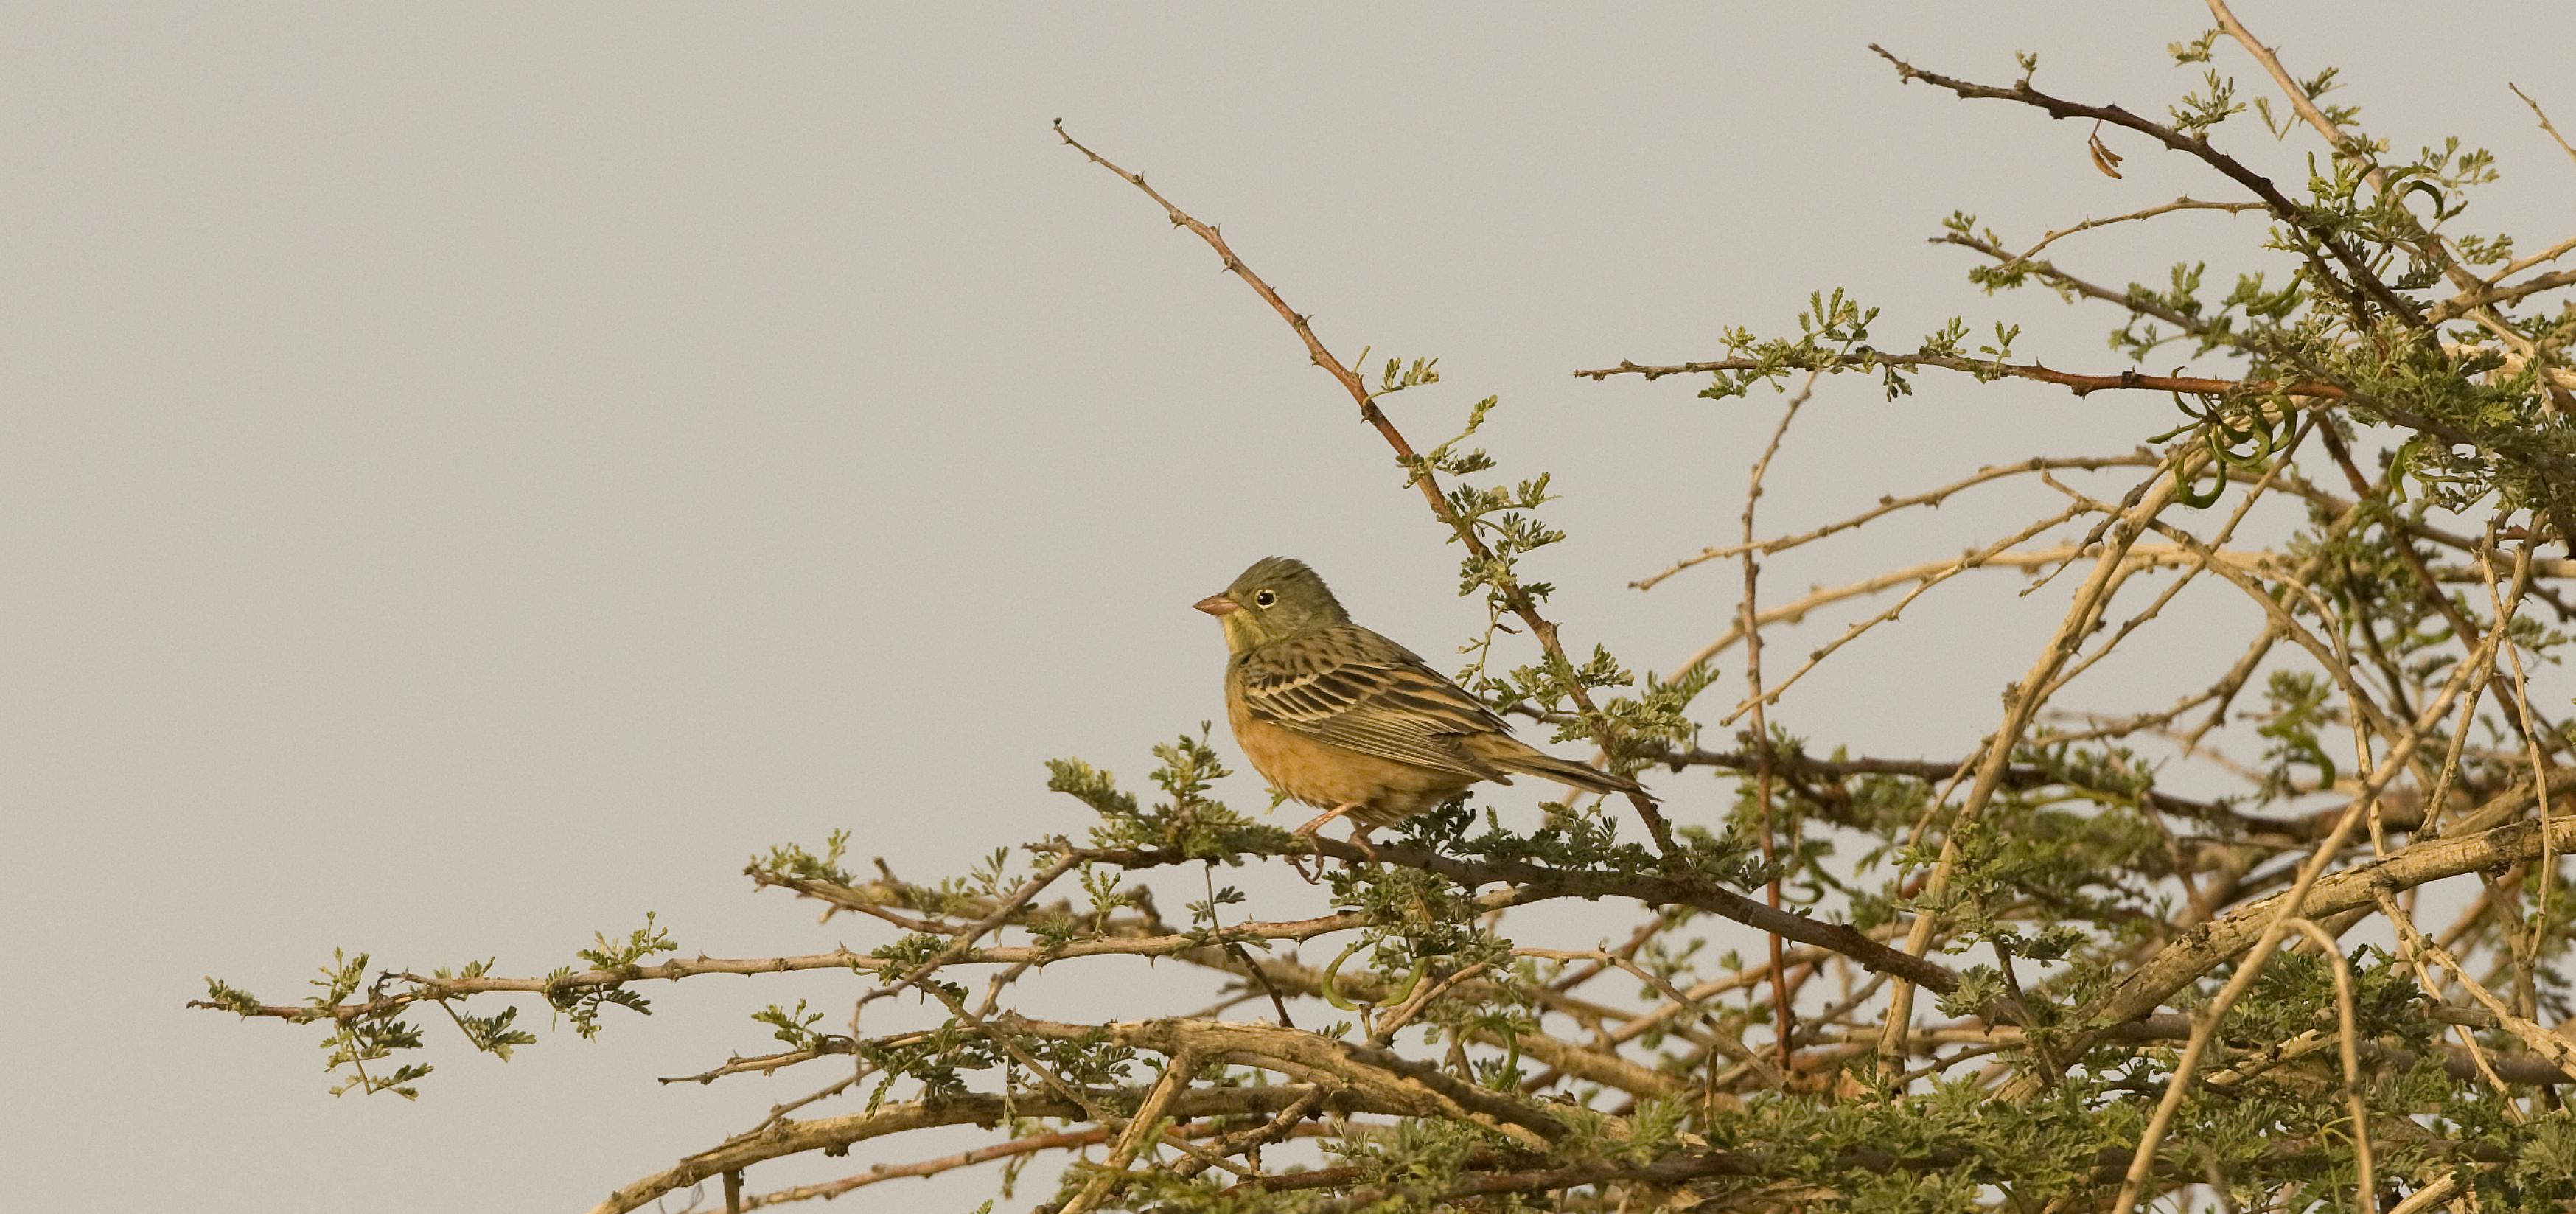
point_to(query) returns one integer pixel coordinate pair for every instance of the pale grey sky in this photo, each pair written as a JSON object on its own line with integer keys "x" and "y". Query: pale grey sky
{"x": 471, "y": 474}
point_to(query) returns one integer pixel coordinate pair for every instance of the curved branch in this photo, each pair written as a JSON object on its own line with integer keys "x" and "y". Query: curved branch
{"x": 2212, "y": 944}
{"x": 1418, "y": 471}
{"x": 2198, "y": 147}
{"x": 1539, "y": 882}
{"x": 1891, "y": 504}
{"x": 432, "y": 988}
{"x": 836, "y": 1133}
{"x": 2079, "y": 383}
{"x": 1382, "y": 1079}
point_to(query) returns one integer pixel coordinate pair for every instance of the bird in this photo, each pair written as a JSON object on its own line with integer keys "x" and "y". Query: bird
{"x": 1346, "y": 720}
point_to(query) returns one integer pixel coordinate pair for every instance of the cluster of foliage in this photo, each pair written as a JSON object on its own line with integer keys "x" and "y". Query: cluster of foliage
{"x": 2127, "y": 995}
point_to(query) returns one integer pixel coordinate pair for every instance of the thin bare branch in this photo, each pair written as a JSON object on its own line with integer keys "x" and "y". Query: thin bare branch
{"x": 1420, "y": 473}
{"x": 2543, "y": 116}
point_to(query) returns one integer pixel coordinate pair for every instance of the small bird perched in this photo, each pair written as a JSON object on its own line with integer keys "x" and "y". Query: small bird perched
{"x": 1343, "y": 719}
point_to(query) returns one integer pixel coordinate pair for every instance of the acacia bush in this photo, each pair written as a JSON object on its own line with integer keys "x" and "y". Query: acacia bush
{"x": 2032, "y": 977}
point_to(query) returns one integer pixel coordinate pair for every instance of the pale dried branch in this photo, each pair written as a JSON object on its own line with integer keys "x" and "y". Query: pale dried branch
{"x": 2348, "y": 1041}
{"x": 2543, "y": 116}
{"x": 1890, "y": 505}
{"x": 2179, "y": 204}
{"x": 829, "y": 1134}
{"x": 2022, "y": 699}
{"x": 1749, "y": 613}
{"x": 2541, "y": 1040}
{"x": 1982, "y": 558}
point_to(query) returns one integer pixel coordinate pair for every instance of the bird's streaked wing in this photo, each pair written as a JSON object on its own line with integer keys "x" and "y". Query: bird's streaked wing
{"x": 1351, "y": 687}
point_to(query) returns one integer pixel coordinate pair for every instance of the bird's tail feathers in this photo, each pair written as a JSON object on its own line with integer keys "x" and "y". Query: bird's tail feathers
{"x": 1549, "y": 767}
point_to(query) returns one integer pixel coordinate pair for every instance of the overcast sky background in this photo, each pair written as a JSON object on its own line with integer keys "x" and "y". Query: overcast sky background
{"x": 472, "y": 474}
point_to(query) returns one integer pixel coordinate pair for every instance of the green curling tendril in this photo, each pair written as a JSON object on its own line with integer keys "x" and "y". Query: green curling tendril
{"x": 2246, "y": 444}
{"x": 1333, "y": 983}
{"x": 2186, "y": 488}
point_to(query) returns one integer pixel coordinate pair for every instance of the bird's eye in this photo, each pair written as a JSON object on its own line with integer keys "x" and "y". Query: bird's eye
{"x": 1264, "y": 599}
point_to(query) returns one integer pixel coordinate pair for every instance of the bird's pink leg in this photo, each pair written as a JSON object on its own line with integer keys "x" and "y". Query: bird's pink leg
{"x": 1359, "y": 839}
{"x": 1325, "y": 818}
{"x": 1320, "y": 822}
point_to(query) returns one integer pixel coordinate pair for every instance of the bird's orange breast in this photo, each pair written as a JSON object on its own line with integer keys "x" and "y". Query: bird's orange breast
{"x": 1329, "y": 776}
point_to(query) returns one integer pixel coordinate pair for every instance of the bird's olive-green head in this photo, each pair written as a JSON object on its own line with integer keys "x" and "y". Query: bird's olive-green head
{"x": 1275, "y": 599}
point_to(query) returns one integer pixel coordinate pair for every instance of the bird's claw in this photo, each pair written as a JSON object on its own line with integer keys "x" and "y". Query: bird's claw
{"x": 1311, "y": 832}
{"x": 1359, "y": 839}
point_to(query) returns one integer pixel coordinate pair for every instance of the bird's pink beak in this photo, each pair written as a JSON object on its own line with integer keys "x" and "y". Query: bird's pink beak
{"x": 1218, "y": 604}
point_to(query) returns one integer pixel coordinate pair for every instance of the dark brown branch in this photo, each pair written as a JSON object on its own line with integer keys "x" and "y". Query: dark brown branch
{"x": 2077, "y": 382}
{"x": 2307, "y": 827}
{"x": 2197, "y": 147}
{"x": 427, "y": 988}
{"x": 1010, "y": 907}
{"x": 1538, "y": 882}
